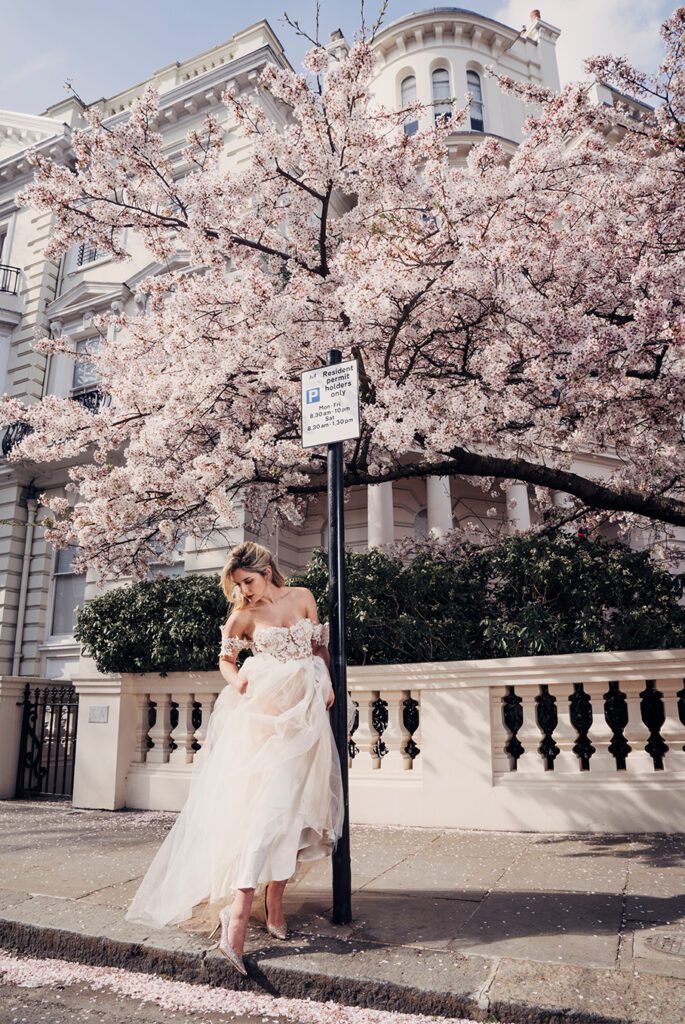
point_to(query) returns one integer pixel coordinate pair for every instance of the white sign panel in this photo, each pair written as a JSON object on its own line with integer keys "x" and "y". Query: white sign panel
{"x": 330, "y": 404}
{"x": 98, "y": 713}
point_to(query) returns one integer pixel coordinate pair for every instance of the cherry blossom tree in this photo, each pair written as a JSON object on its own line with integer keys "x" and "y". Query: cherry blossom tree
{"x": 506, "y": 314}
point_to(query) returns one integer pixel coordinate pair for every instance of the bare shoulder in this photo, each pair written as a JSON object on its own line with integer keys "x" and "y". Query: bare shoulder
{"x": 239, "y": 623}
{"x": 306, "y": 601}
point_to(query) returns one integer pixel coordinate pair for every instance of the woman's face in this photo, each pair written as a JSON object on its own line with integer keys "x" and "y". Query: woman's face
{"x": 250, "y": 584}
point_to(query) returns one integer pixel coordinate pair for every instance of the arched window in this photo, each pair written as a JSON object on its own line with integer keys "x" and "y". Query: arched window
{"x": 440, "y": 82}
{"x": 407, "y": 96}
{"x": 421, "y": 524}
{"x": 477, "y": 110}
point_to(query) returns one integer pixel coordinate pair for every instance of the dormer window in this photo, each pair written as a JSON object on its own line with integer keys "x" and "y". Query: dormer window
{"x": 407, "y": 97}
{"x": 473, "y": 84}
{"x": 440, "y": 83}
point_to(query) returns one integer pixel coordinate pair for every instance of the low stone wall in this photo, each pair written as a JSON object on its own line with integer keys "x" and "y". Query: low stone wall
{"x": 586, "y": 742}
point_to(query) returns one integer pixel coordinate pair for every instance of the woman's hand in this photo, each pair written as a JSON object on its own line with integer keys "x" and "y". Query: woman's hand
{"x": 241, "y": 686}
{"x": 331, "y": 700}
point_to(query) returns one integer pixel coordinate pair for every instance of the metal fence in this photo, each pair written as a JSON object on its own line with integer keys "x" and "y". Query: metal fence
{"x": 48, "y": 742}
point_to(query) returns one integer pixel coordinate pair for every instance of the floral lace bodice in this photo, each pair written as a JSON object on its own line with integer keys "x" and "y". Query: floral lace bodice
{"x": 284, "y": 643}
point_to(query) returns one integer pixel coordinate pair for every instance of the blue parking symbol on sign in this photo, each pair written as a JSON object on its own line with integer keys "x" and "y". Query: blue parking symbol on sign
{"x": 313, "y": 395}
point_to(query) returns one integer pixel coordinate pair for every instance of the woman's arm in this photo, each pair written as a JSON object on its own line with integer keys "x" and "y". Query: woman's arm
{"x": 234, "y": 639}
{"x": 320, "y": 650}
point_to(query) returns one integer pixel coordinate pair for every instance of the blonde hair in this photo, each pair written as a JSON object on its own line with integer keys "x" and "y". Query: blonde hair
{"x": 250, "y": 557}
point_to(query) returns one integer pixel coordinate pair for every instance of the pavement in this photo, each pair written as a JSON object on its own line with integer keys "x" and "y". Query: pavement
{"x": 515, "y": 927}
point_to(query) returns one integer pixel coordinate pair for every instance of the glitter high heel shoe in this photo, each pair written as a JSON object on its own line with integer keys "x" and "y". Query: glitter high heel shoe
{"x": 280, "y": 932}
{"x": 225, "y": 946}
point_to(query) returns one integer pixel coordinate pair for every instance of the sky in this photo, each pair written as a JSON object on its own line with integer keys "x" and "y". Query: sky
{"x": 105, "y": 47}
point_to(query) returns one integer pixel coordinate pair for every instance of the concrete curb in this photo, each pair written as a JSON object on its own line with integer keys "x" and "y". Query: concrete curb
{"x": 503, "y": 992}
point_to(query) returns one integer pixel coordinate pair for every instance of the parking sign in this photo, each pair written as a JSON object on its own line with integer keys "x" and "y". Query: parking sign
{"x": 330, "y": 404}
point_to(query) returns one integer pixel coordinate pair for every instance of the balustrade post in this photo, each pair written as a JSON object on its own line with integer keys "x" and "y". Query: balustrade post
{"x": 352, "y": 746}
{"x": 411, "y": 728}
{"x": 529, "y": 735}
{"x": 600, "y": 735}
{"x": 183, "y": 735}
{"x": 160, "y": 733}
{"x": 366, "y": 736}
{"x": 673, "y": 731}
{"x": 567, "y": 760}
{"x": 638, "y": 761}
{"x": 393, "y": 761}
{"x": 206, "y": 702}
{"x": 142, "y": 704}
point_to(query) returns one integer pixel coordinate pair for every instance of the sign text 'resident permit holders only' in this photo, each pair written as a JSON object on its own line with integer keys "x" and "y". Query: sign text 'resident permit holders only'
{"x": 330, "y": 404}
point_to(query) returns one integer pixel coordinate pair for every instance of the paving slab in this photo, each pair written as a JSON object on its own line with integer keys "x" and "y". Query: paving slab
{"x": 565, "y": 864}
{"x": 468, "y": 864}
{"x": 576, "y": 928}
{"x": 118, "y": 895}
{"x": 401, "y": 919}
{"x": 580, "y": 995}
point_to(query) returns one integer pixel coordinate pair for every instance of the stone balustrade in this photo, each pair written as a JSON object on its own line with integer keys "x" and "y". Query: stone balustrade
{"x": 563, "y": 743}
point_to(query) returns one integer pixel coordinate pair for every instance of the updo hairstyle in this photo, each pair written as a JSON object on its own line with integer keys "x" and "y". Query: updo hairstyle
{"x": 250, "y": 557}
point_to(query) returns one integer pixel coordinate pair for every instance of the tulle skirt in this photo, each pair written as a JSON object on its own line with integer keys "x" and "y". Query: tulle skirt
{"x": 265, "y": 794}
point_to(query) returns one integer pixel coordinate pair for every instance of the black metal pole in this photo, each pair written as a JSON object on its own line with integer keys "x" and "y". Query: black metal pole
{"x": 342, "y": 875}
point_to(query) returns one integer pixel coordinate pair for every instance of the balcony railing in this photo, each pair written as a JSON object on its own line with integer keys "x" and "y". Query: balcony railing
{"x": 15, "y": 433}
{"x": 9, "y": 279}
{"x": 93, "y": 399}
{"x": 87, "y": 253}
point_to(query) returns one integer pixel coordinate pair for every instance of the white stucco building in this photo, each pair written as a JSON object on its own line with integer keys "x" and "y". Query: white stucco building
{"x": 429, "y": 56}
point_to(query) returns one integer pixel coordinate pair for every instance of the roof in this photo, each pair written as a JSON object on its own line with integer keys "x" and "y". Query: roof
{"x": 443, "y": 11}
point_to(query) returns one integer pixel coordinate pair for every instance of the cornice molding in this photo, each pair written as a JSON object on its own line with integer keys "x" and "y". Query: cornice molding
{"x": 16, "y": 169}
{"x": 84, "y": 297}
{"x": 205, "y": 90}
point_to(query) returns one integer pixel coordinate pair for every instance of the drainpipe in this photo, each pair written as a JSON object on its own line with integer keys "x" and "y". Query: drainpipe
{"x": 32, "y": 508}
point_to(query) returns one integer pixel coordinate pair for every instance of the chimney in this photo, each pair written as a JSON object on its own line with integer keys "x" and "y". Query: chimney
{"x": 535, "y": 15}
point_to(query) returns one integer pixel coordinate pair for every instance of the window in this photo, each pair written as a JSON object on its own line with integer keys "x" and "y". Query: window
{"x": 175, "y": 568}
{"x": 3, "y": 241}
{"x": 408, "y": 96}
{"x": 421, "y": 525}
{"x": 87, "y": 253}
{"x": 85, "y": 375}
{"x": 477, "y": 110}
{"x": 68, "y": 592}
{"x": 442, "y": 107}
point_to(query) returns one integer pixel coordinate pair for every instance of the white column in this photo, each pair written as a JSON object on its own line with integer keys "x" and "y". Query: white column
{"x": 518, "y": 509}
{"x": 381, "y": 514}
{"x": 564, "y": 502}
{"x": 561, "y": 499}
{"x": 439, "y": 505}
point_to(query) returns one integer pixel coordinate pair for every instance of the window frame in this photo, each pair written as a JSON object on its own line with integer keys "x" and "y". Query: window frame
{"x": 442, "y": 105}
{"x": 476, "y": 102}
{"x": 410, "y": 127}
{"x": 52, "y": 637}
{"x": 86, "y": 385}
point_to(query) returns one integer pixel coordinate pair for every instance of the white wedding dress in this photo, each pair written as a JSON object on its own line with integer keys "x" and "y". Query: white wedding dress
{"x": 266, "y": 794}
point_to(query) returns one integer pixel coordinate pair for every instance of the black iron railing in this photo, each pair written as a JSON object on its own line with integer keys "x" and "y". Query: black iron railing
{"x": 9, "y": 279}
{"x": 15, "y": 433}
{"x": 93, "y": 399}
{"x": 47, "y": 744}
{"x": 86, "y": 253}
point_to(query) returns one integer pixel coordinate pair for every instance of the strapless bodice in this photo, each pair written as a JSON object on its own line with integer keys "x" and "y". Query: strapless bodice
{"x": 285, "y": 643}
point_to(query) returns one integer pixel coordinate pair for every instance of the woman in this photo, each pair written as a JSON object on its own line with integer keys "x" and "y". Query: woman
{"x": 266, "y": 794}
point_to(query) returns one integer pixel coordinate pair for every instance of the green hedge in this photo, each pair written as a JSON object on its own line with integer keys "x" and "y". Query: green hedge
{"x": 526, "y": 595}
{"x": 165, "y": 625}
